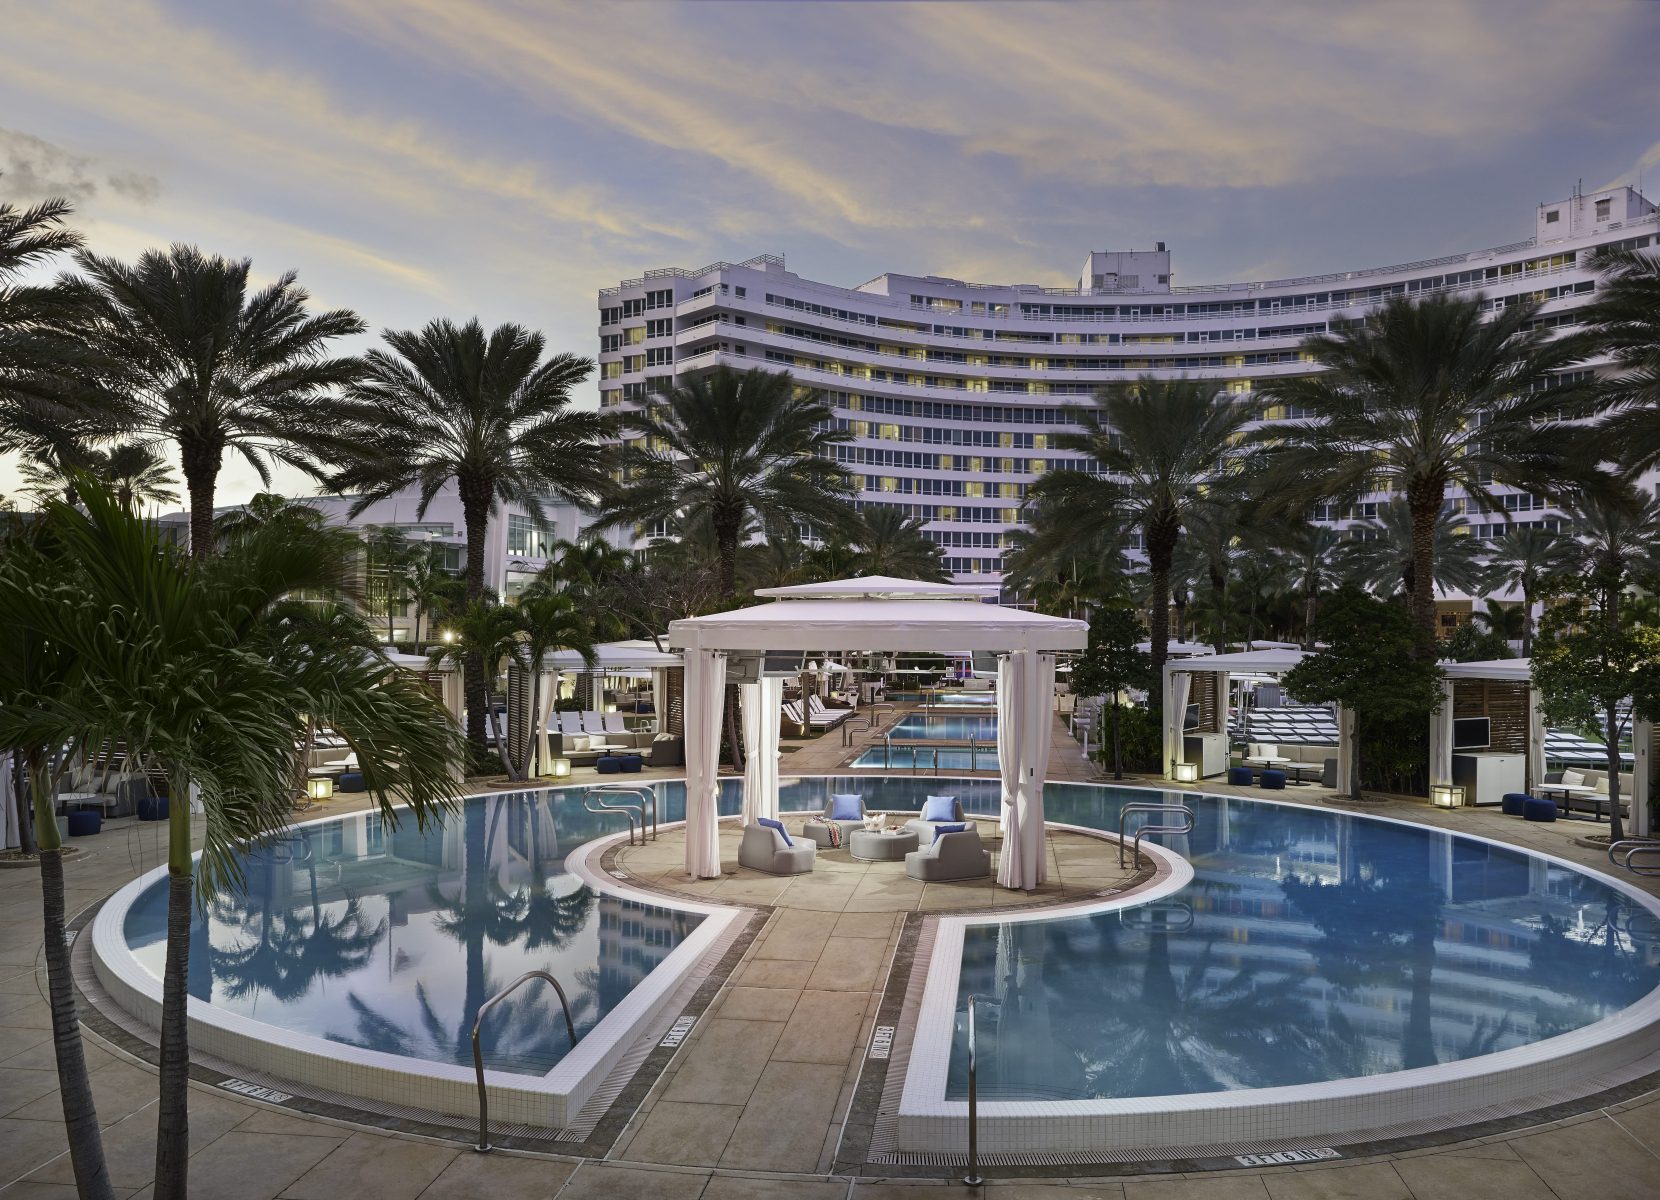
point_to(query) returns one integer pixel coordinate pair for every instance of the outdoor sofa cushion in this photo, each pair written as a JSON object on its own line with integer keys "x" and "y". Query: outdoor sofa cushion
{"x": 939, "y": 808}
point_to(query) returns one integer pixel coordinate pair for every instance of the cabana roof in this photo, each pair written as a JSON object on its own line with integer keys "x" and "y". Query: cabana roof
{"x": 617, "y": 657}
{"x": 875, "y": 614}
{"x": 1511, "y": 670}
{"x": 1246, "y": 662}
{"x": 880, "y": 587}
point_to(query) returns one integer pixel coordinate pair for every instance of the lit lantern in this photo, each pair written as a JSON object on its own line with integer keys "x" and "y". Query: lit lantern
{"x": 320, "y": 788}
{"x": 560, "y": 768}
{"x": 1187, "y": 772}
{"x": 1444, "y": 795}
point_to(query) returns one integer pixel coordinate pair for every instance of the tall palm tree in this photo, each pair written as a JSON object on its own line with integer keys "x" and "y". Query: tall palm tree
{"x": 486, "y": 636}
{"x": 36, "y": 360}
{"x": 185, "y": 351}
{"x": 139, "y": 475}
{"x": 451, "y": 404}
{"x": 1307, "y": 553}
{"x": 1626, "y": 315}
{"x": 1619, "y": 537}
{"x": 548, "y": 621}
{"x": 1425, "y": 396}
{"x": 733, "y": 447}
{"x": 210, "y": 669}
{"x": 1382, "y": 556}
{"x": 1162, "y": 448}
{"x": 891, "y": 543}
{"x": 1526, "y": 558}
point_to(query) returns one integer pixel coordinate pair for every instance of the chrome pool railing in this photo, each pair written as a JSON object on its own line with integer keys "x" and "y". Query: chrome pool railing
{"x": 627, "y": 810}
{"x": 483, "y": 1143}
{"x": 1185, "y": 827}
{"x": 871, "y": 716}
{"x": 1621, "y": 854}
{"x": 647, "y": 796}
{"x": 973, "y": 1178}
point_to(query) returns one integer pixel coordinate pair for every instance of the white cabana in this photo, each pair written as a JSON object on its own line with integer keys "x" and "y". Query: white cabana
{"x": 871, "y": 614}
{"x": 1512, "y": 671}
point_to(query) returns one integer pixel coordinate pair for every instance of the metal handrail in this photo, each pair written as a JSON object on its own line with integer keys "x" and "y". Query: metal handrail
{"x": 648, "y": 797}
{"x": 871, "y": 721}
{"x": 1629, "y": 848}
{"x": 1180, "y": 909}
{"x": 483, "y": 1144}
{"x": 627, "y": 810}
{"x": 1187, "y": 814}
{"x": 973, "y": 1178}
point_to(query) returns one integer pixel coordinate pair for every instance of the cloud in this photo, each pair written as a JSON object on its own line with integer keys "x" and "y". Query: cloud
{"x": 35, "y": 169}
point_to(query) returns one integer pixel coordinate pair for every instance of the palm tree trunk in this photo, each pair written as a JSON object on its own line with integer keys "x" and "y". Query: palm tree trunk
{"x": 1308, "y": 619}
{"x": 173, "y": 1110}
{"x": 1354, "y": 764}
{"x": 1161, "y": 548}
{"x": 199, "y": 459}
{"x": 475, "y": 511}
{"x": 1425, "y": 507}
{"x": 1117, "y": 745}
{"x": 1527, "y": 621}
{"x": 80, "y": 1116}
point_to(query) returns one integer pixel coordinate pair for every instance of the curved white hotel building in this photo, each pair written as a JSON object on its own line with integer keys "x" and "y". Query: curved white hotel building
{"x": 952, "y": 390}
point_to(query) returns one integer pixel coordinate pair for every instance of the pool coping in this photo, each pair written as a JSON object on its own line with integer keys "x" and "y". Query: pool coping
{"x": 551, "y": 1100}
{"x": 927, "y": 1123}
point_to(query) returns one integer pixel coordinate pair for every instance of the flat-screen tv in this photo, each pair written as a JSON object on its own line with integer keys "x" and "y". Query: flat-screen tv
{"x": 1472, "y": 733}
{"x": 1190, "y": 719}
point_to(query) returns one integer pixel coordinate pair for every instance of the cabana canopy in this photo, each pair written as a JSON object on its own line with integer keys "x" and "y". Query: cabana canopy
{"x": 876, "y": 613}
{"x": 638, "y": 657}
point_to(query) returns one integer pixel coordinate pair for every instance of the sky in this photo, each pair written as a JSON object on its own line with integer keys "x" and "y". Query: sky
{"x": 506, "y": 160}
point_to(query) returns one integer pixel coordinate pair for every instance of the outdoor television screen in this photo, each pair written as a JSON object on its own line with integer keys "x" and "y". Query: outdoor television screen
{"x": 1472, "y": 733}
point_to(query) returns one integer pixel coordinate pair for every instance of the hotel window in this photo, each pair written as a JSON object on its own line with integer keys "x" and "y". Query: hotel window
{"x": 889, "y": 483}
{"x": 660, "y": 356}
{"x": 636, "y": 335}
{"x": 612, "y": 370}
{"x": 528, "y": 536}
{"x": 660, "y": 299}
{"x": 974, "y": 488}
{"x": 1553, "y": 216}
{"x": 659, "y": 327}
{"x": 1604, "y": 209}
{"x": 634, "y": 362}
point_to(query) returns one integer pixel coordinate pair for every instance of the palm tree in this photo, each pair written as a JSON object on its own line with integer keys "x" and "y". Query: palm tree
{"x": 433, "y": 590}
{"x": 1626, "y": 314}
{"x": 1424, "y": 396}
{"x": 390, "y": 559}
{"x": 733, "y": 447}
{"x": 1307, "y": 554}
{"x": 1059, "y": 565}
{"x": 185, "y": 352}
{"x": 1620, "y": 540}
{"x": 891, "y": 543}
{"x": 1382, "y": 555}
{"x": 1526, "y": 558}
{"x": 548, "y": 621}
{"x": 139, "y": 476}
{"x": 36, "y": 398}
{"x": 1162, "y": 450}
{"x": 486, "y": 636}
{"x": 210, "y": 669}
{"x": 451, "y": 404}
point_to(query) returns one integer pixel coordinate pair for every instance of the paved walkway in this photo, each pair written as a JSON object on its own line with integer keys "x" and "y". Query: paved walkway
{"x": 739, "y": 1115}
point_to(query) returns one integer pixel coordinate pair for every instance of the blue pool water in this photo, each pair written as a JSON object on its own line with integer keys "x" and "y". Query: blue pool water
{"x": 940, "y": 728}
{"x": 952, "y": 698}
{"x": 946, "y": 728}
{"x": 1311, "y": 945}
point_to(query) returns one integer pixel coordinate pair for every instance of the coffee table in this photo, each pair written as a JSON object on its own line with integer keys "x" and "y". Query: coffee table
{"x": 888, "y": 845}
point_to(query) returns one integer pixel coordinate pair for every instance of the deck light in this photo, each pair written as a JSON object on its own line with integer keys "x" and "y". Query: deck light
{"x": 560, "y": 768}
{"x": 1444, "y": 795}
{"x": 319, "y": 789}
{"x": 1187, "y": 772}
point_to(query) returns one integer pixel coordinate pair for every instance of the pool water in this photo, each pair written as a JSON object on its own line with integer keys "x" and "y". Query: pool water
{"x": 1311, "y": 945}
{"x": 946, "y": 728}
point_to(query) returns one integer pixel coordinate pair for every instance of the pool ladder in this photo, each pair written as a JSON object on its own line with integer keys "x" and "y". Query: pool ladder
{"x": 871, "y": 717}
{"x": 631, "y": 811}
{"x": 973, "y": 1178}
{"x": 1135, "y": 856}
{"x": 483, "y": 1143}
{"x": 933, "y": 747}
{"x": 646, "y": 795}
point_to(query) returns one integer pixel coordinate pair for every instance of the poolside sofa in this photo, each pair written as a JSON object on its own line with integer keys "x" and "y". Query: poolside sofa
{"x": 852, "y": 816}
{"x": 657, "y": 749}
{"x": 936, "y": 811}
{"x": 954, "y": 853}
{"x": 767, "y": 847}
{"x": 1597, "y": 802}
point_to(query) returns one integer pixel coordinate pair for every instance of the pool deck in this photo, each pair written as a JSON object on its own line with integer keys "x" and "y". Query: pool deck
{"x": 751, "y": 1107}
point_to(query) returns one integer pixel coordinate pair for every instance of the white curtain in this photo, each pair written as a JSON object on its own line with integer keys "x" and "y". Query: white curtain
{"x": 1179, "y": 683}
{"x": 1535, "y": 738}
{"x": 1440, "y": 739}
{"x": 1011, "y": 716}
{"x": 1345, "y": 738}
{"x": 454, "y": 695}
{"x": 1026, "y": 681}
{"x": 1224, "y": 685}
{"x": 762, "y": 705}
{"x": 10, "y": 835}
{"x": 660, "y": 698}
{"x": 705, "y": 699}
{"x": 544, "y": 710}
{"x": 1642, "y": 748}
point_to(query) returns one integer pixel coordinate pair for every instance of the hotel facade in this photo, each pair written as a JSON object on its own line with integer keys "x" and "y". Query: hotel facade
{"x": 952, "y": 392}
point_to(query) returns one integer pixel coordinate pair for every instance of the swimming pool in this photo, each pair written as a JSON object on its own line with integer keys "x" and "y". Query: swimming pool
{"x": 1312, "y": 956}
{"x": 936, "y": 727}
{"x": 951, "y": 728}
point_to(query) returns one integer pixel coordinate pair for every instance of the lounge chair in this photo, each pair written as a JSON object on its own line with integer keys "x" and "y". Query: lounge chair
{"x": 766, "y": 847}
{"x": 846, "y": 810}
{"x": 955, "y": 853}
{"x": 936, "y": 811}
{"x": 614, "y": 723}
{"x": 822, "y": 714}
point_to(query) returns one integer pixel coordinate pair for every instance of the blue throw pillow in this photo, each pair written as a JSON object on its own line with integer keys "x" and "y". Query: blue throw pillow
{"x": 941, "y": 830}
{"x": 939, "y": 808}
{"x": 779, "y": 826}
{"x": 847, "y": 808}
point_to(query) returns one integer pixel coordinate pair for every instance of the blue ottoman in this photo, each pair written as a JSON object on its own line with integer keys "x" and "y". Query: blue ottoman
{"x": 1241, "y": 775}
{"x": 609, "y": 764}
{"x": 631, "y": 764}
{"x": 351, "y": 781}
{"x": 152, "y": 808}
{"x": 1513, "y": 803}
{"x": 1273, "y": 780}
{"x": 1534, "y": 809}
{"x": 84, "y": 822}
